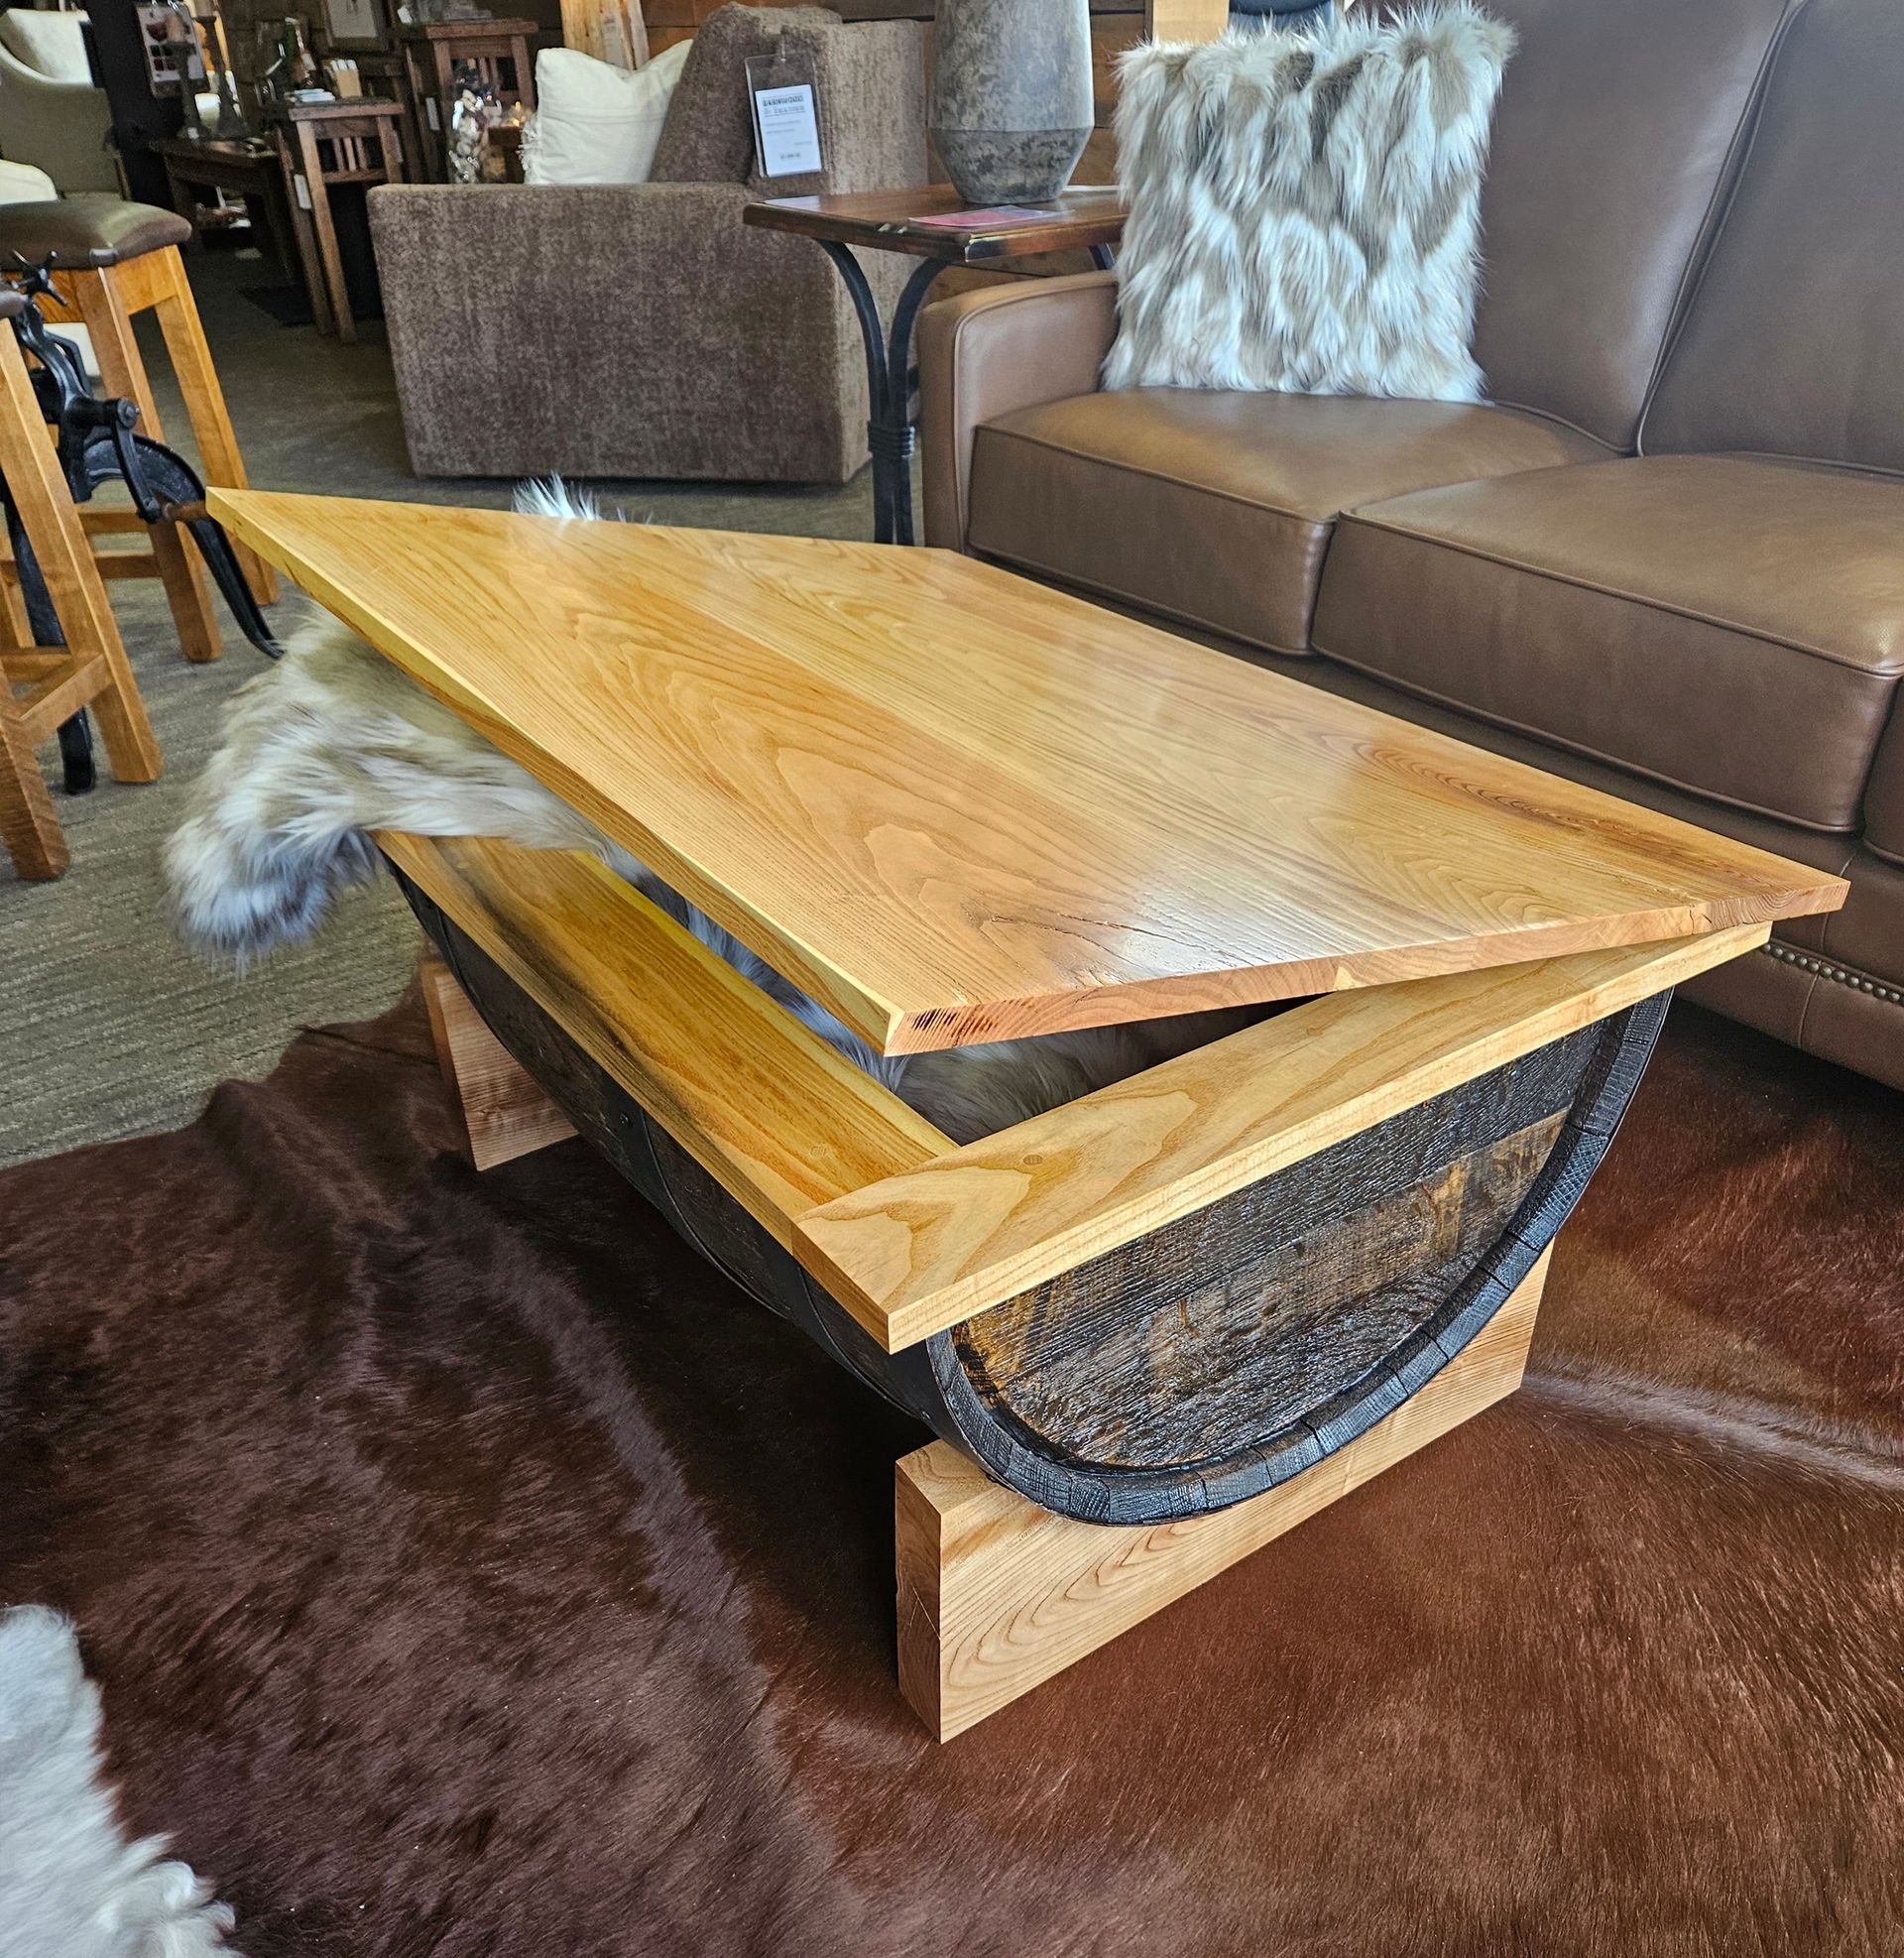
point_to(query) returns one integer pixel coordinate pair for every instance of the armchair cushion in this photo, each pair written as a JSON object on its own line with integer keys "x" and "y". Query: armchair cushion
{"x": 52, "y": 45}
{"x": 872, "y": 102}
{"x": 710, "y": 135}
{"x": 1215, "y": 509}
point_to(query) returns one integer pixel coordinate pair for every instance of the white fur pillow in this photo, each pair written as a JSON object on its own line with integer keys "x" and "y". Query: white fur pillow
{"x": 1305, "y": 208}
{"x": 598, "y": 124}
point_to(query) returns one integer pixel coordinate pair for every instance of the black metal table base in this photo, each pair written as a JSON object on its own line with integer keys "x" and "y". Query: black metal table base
{"x": 891, "y": 384}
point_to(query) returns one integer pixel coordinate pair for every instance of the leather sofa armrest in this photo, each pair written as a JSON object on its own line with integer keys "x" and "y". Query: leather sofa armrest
{"x": 985, "y": 353}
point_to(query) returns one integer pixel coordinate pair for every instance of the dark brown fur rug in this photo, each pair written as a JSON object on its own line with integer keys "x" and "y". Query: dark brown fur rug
{"x": 469, "y": 1572}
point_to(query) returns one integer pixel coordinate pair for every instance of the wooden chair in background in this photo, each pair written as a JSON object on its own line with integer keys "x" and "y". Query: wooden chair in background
{"x": 113, "y": 261}
{"x": 90, "y": 670}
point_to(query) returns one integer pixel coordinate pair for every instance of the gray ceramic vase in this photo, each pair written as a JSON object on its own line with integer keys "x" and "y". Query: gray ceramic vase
{"x": 1011, "y": 96}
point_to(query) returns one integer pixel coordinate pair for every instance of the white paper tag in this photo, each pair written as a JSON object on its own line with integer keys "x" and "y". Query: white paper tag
{"x": 790, "y": 131}
{"x": 303, "y": 190}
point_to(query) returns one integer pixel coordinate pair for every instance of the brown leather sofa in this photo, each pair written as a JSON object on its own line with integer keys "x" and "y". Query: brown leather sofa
{"x": 1666, "y": 558}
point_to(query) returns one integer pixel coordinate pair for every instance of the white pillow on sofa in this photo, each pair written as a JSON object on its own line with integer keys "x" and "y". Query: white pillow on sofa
{"x": 598, "y": 124}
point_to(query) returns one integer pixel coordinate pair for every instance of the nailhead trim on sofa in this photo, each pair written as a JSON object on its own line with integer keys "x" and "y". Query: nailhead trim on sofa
{"x": 1844, "y": 977}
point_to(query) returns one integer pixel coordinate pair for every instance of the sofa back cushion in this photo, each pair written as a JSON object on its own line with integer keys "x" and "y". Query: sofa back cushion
{"x": 1795, "y": 341}
{"x": 709, "y": 134}
{"x": 1613, "y": 142}
{"x": 52, "y": 45}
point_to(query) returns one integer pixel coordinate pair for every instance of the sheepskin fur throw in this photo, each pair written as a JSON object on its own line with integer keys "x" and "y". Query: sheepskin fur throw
{"x": 333, "y": 741}
{"x": 1305, "y": 208}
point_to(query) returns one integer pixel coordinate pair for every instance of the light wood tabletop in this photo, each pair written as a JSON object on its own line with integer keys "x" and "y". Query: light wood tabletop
{"x": 955, "y": 805}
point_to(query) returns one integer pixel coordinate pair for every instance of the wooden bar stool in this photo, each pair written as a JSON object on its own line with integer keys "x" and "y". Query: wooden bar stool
{"x": 113, "y": 260}
{"x": 90, "y": 669}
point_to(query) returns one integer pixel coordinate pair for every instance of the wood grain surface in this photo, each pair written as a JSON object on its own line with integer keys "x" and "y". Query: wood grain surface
{"x": 997, "y": 1595}
{"x": 766, "y": 1107}
{"x": 883, "y": 220}
{"x": 505, "y": 1112}
{"x": 955, "y": 805}
{"x": 986, "y": 1222}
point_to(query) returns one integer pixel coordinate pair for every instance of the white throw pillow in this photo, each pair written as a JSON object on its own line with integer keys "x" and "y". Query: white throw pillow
{"x": 1305, "y": 208}
{"x": 597, "y": 124}
{"x": 52, "y": 45}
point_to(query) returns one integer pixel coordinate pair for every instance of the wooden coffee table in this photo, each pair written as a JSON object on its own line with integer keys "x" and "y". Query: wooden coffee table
{"x": 1158, "y": 1326}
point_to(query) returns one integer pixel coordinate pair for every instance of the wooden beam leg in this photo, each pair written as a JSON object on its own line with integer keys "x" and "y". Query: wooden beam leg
{"x": 184, "y": 337}
{"x": 505, "y": 1112}
{"x": 40, "y": 493}
{"x": 997, "y": 1595}
{"x": 124, "y": 373}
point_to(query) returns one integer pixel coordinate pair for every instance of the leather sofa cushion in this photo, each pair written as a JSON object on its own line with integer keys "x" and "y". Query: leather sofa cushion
{"x": 1731, "y": 625}
{"x": 1214, "y": 508}
{"x": 1613, "y": 147}
{"x": 1794, "y": 343}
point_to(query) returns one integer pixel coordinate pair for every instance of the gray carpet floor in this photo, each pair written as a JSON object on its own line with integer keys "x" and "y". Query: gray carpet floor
{"x": 108, "y": 1026}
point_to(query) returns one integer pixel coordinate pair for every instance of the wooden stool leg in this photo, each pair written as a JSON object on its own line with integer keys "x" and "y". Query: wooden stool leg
{"x": 505, "y": 1112}
{"x": 184, "y": 337}
{"x": 28, "y": 826}
{"x": 124, "y": 373}
{"x": 996, "y": 1595}
{"x": 32, "y": 473}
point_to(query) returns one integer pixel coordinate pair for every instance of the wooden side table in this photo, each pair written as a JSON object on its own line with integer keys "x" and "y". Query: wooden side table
{"x": 1091, "y": 218}
{"x": 321, "y": 145}
{"x": 499, "y": 50}
{"x": 248, "y": 171}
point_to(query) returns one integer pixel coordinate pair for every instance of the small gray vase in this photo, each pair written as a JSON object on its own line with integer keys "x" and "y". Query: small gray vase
{"x": 1011, "y": 96}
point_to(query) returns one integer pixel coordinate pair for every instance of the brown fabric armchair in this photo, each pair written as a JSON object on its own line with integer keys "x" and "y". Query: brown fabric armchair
{"x": 641, "y": 329}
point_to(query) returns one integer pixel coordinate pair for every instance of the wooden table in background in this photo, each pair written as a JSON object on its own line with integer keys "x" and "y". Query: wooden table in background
{"x": 499, "y": 50}
{"x": 247, "y": 171}
{"x": 321, "y": 145}
{"x": 1088, "y": 218}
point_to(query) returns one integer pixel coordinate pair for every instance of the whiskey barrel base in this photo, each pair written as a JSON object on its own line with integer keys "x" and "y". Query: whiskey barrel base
{"x": 1213, "y": 1359}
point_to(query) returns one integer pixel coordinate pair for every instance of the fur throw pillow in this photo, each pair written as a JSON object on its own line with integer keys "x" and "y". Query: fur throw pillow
{"x": 1305, "y": 208}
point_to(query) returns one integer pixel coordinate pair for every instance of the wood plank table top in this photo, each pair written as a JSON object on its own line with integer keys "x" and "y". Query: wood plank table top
{"x": 887, "y": 220}
{"x": 955, "y": 805}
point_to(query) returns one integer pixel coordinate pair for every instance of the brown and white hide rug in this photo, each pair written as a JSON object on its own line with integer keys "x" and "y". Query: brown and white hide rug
{"x": 71, "y": 1885}
{"x": 471, "y": 1573}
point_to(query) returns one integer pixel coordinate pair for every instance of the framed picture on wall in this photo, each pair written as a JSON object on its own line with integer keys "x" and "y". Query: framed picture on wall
{"x": 356, "y": 26}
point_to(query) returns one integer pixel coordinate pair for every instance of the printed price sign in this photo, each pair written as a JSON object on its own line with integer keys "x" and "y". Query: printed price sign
{"x": 784, "y": 94}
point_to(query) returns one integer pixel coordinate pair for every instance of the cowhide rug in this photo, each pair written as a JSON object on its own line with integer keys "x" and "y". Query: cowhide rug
{"x": 472, "y": 1574}
{"x": 71, "y": 1885}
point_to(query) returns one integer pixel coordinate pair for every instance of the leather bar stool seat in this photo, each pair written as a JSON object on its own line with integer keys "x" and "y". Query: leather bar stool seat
{"x": 12, "y": 303}
{"x": 111, "y": 260}
{"x": 86, "y": 234}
